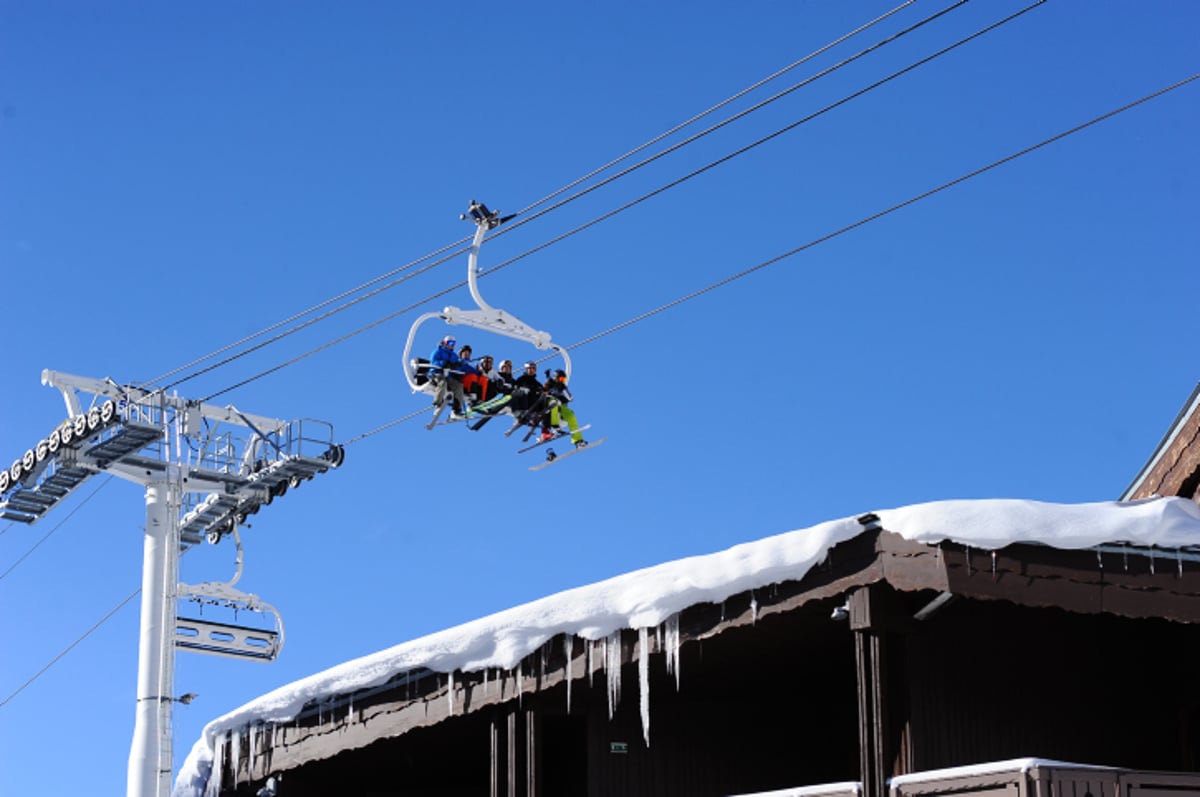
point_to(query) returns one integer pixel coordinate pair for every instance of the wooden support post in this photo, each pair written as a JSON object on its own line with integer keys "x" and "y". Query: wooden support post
{"x": 531, "y": 754}
{"x": 511, "y": 760}
{"x": 515, "y": 755}
{"x": 873, "y": 755}
{"x": 496, "y": 776}
{"x": 877, "y": 619}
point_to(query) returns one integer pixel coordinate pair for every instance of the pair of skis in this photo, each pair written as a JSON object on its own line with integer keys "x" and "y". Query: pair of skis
{"x": 477, "y": 409}
{"x": 499, "y": 401}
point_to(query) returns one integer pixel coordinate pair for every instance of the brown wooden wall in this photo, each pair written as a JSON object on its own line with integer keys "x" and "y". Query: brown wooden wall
{"x": 774, "y": 702}
{"x": 991, "y": 681}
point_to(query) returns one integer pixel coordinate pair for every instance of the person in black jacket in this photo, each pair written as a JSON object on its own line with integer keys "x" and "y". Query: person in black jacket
{"x": 529, "y": 401}
{"x": 560, "y": 396}
{"x": 502, "y": 378}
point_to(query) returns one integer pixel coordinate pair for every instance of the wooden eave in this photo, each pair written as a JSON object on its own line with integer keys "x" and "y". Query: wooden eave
{"x": 1127, "y": 581}
{"x": 1174, "y": 467}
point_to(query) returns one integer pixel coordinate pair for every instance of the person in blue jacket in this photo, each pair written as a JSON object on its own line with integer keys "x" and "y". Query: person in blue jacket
{"x": 446, "y": 371}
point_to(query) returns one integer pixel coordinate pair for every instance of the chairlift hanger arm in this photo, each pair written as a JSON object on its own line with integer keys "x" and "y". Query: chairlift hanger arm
{"x": 484, "y": 220}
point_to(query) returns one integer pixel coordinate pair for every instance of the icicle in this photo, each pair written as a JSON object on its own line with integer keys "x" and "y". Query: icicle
{"x": 612, "y": 667}
{"x": 1151, "y": 561}
{"x": 569, "y": 647}
{"x": 753, "y": 609}
{"x": 485, "y": 681}
{"x": 1099, "y": 559}
{"x": 235, "y": 754}
{"x": 253, "y": 750}
{"x": 450, "y": 692}
{"x": 543, "y": 661}
{"x": 644, "y": 681}
{"x": 993, "y": 565}
{"x": 968, "y": 554}
{"x": 672, "y": 647}
{"x": 520, "y": 681}
{"x": 591, "y": 665}
{"x": 1179, "y": 563}
{"x": 214, "y": 776}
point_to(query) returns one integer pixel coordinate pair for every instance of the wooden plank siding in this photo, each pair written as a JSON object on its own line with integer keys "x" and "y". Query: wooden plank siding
{"x": 1174, "y": 468}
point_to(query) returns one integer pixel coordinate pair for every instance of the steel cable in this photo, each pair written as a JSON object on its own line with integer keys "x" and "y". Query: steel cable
{"x": 418, "y": 261}
{"x": 849, "y": 227}
{"x": 644, "y": 197}
{"x": 556, "y": 193}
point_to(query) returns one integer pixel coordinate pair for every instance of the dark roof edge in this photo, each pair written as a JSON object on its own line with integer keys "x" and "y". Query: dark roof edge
{"x": 1184, "y": 413}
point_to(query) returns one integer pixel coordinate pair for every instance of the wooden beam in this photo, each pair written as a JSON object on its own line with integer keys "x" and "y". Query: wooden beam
{"x": 497, "y": 768}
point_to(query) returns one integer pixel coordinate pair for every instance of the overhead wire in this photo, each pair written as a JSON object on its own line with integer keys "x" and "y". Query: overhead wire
{"x": 759, "y": 106}
{"x": 628, "y": 205}
{"x": 825, "y": 48}
{"x": 315, "y": 320}
{"x": 882, "y": 213}
{"x": 674, "y": 183}
{"x": 688, "y": 297}
{"x": 682, "y": 125}
{"x": 412, "y": 264}
{"x": 849, "y": 227}
{"x": 71, "y": 646}
{"x": 302, "y": 313}
{"x": 56, "y": 527}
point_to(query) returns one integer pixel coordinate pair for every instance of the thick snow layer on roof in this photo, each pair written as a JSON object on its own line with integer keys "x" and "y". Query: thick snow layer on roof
{"x": 646, "y": 598}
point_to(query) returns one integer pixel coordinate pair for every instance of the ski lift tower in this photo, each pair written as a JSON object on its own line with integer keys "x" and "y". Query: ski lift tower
{"x": 204, "y": 469}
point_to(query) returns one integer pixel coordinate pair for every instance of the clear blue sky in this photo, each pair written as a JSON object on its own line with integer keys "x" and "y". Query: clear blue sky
{"x": 174, "y": 177}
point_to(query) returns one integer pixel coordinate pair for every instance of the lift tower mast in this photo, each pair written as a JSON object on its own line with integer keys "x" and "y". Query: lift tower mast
{"x": 204, "y": 469}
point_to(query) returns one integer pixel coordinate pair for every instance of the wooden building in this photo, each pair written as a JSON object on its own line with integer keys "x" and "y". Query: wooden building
{"x": 890, "y": 657}
{"x": 1174, "y": 467}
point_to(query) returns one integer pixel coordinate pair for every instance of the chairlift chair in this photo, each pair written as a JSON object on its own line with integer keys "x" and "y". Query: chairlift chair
{"x": 229, "y": 639}
{"x": 486, "y": 318}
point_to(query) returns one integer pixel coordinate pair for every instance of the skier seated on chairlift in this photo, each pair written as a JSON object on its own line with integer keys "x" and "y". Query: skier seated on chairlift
{"x": 560, "y": 396}
{"x": 529, "y": 400}
{"x": 475, "y": 381}
{"x": 446, "y": 371}
{"x": 497, "y": 381}
{"x": 501, "y": 381}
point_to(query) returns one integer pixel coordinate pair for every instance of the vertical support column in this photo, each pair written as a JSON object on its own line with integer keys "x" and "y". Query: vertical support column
{"x": 496, "y": 778}
{"x": 521, "y": 753}
{"x": 876, "y": 619}
{"x": 531, "y": 754}
{"x": 148, "y": 775}
{"x": 512, "y": 767}
{"x": 873, "y": 756}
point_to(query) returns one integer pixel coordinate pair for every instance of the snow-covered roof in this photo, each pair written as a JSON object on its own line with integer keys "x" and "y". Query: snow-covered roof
{"x": 648, "y": 597}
